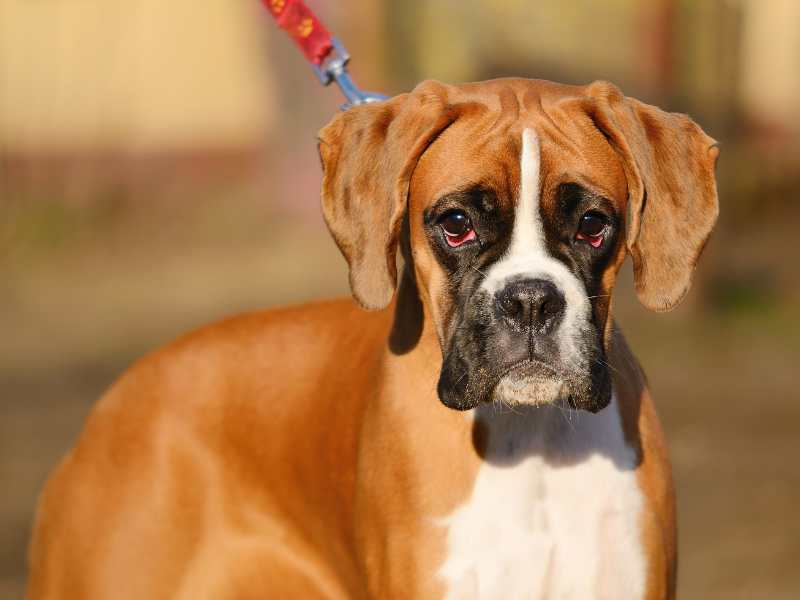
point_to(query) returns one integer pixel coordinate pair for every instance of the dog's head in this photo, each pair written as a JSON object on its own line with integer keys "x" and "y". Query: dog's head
{"x": 520, "y": 200}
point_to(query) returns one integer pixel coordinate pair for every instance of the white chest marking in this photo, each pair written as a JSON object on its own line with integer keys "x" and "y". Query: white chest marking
{"x": 554, "y": 512}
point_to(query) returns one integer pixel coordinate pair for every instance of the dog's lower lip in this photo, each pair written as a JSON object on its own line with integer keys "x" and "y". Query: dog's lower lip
{"x": 529, "y": 362}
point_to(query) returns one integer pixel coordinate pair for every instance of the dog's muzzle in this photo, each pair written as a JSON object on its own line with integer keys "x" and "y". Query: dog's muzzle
{"x": 515, "y": 347}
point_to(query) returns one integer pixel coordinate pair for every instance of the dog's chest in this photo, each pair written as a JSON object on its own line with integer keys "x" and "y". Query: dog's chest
{"x": 554, "y": 512}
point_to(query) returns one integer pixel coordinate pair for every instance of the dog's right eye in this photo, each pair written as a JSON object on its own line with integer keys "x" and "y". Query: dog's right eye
{"x": 457, "y": 228}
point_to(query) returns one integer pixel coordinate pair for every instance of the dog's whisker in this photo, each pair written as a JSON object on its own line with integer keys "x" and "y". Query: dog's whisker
{"x": 605, "y": 364}
{"x": 569, "y": 420}
{"x": 477, "y": 270}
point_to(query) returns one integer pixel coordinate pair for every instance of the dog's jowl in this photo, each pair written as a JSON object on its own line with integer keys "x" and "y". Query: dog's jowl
{"x": 481, "y": 431}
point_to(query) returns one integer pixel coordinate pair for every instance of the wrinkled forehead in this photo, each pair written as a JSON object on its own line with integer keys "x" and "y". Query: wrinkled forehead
{"x": 483, "y": 147}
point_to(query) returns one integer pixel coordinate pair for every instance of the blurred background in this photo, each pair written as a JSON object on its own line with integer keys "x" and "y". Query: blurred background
{"x": 158, "y": 171}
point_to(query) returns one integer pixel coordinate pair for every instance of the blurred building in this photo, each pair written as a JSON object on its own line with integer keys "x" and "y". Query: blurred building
{"x": 719, "y": 59}
{"x": 770, "y": 62}
{"x": 97, "y": 85}
{"x": 99, "y": 88}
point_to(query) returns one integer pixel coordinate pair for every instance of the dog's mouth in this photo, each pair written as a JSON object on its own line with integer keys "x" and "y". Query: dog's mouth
{"x": 529, "y": 381}
{"x": 526, "y": 381}
{"x": 530, "y": 367}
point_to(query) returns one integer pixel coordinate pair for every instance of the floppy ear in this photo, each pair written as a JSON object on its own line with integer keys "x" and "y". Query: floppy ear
{"x": 672, "y": 194}
{"x": 368, "y": 155}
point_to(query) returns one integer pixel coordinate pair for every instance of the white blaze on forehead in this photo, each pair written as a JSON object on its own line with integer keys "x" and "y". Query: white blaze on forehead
{"x": 528, "y": 232}
{"x": 527, "y": 254}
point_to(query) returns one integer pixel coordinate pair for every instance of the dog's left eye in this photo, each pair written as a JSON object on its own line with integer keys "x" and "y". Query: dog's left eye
{"x": 457, "y": 228}
{"x": 592, "y": 229}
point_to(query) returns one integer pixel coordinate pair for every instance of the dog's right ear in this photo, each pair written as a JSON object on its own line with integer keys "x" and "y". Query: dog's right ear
{"x": 368, "y": 155}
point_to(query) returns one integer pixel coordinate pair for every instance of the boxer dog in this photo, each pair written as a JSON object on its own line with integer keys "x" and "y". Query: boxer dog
{"x": 488, "y": 435}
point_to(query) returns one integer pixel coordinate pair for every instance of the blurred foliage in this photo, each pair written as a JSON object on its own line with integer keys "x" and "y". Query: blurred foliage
{"x": 752, "y": 293}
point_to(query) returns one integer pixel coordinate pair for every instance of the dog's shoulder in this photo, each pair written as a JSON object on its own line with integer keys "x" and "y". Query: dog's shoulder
{"x": 265, "y": 369}
{"x": 263, "y": 353}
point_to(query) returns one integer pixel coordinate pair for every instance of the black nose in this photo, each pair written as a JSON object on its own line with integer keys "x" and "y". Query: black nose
{"x": 532, "y": 304}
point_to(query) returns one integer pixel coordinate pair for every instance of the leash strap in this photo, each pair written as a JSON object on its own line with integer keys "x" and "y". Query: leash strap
{"x": 328, "y": 57}
{"x": 296, "y": 19}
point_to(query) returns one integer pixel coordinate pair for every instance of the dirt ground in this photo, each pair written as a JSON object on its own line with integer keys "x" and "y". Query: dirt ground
{"x": 724, "y": 378}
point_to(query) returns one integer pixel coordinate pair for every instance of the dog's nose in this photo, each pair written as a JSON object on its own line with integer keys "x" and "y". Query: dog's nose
{"x": 532, "y": 304}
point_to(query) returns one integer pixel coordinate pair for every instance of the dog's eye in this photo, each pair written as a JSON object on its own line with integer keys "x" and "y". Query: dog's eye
{"x": 592, "y": 229}
{"x": 457, "y": 228}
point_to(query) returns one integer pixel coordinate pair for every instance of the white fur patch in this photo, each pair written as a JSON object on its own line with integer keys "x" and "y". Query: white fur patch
{"x": 554, "y": 512}
{"x": 527, "y": 257}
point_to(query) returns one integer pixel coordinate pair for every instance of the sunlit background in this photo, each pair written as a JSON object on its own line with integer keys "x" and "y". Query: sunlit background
{"x": 158, "y": 171}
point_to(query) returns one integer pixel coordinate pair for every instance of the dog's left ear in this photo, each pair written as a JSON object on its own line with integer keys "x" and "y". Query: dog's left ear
{"x": 672, "y": 194}
{"x": 368, "y": 155}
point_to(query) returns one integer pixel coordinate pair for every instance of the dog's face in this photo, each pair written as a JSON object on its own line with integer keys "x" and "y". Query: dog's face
{"x": 521, "y": 199}
{"x": 519, "y": 238}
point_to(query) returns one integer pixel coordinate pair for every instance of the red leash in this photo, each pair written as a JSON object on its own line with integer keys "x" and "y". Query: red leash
{"x": 327, "y": 56}
{"x": 296, "y": 19}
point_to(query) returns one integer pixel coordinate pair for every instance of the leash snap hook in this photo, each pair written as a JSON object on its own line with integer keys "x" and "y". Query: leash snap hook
{"x": 333, "y": 69}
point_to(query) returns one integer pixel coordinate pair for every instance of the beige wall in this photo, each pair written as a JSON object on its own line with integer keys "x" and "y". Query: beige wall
{"x": 141, "y": 75}
{"x": 770, "y": 82}
{"x": 454, "y": 38}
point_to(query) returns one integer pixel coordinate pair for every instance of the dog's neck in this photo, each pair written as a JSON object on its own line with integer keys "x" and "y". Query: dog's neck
{"x": 495, "y": 430}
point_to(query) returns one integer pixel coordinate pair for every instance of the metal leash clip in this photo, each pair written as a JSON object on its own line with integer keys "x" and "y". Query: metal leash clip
{"x": 334, "y": 69}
